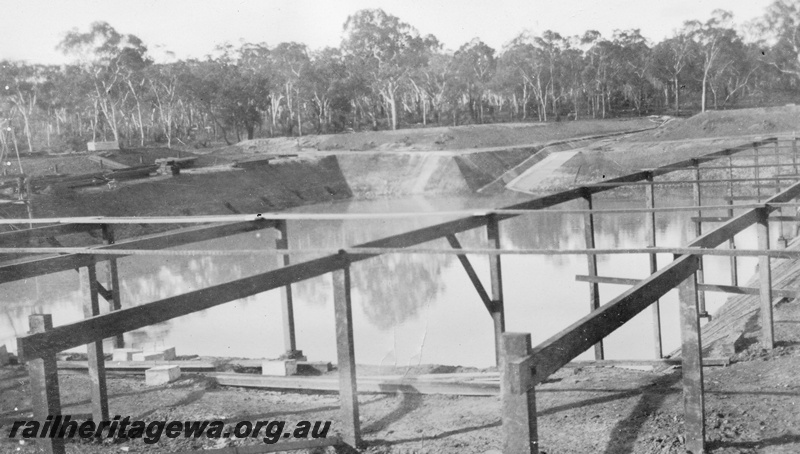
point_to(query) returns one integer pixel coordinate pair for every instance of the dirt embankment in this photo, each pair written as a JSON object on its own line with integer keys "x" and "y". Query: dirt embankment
{"x": 726, "y": 123}
{"x": 440, "y": 138}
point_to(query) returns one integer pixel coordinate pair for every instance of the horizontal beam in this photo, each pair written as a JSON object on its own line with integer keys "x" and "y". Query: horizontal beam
{"x": 685, "y": 182}
{"x": 726, "y": 218}
{"x": 27, "y": 268}
{"x": 20, "y": 238}
{"x": 704, "y": 287}
{"x": 554, "y": 353}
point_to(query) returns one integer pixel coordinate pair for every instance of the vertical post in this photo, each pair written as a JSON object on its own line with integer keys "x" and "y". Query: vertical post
{"x": 692, "y": 366}
{"x": 765, "y": 281}
{"x": 698, "y": 230}
{"x": 757, "y": 172}
{"x": 731, "y": 241}
{"x": 44, "y": 386}
{"x": 496, "y": 275}
{"x": 794, "y": 154}
{"x": 287, "y": 303}
{"x": 113, "y": 273}
{"x": 594, "y": 289}
{"x": 345, "y": 353}
{"x": 650, "y": 223}
{"x": 519, "y": 400}
{"x": 97, "y": 367}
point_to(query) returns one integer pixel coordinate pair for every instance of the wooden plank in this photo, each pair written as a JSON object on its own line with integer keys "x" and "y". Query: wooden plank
{"x": 365, "y": 385}
{"x": 287, "y": 302}
{"x": 46, "y": 265}
{"x": 142, "y": 366}
{"x": 650, "y": 226}
{"x": 765, "y": 283}
{"x": 113, "y": 272}
{"x": 96, "y": 363}
{"x": 692, "y": 365}
{"x": 345, "y": 353}
{"x": 782, "y": 293}
{"x": 22, "y": 238}
{"x": 698, "y": 228}
{"x": 45, "y": 394}
{"x": 520, "y": 435}
{"x": 734, "y": 266}
{"x": 594, "y": 290}
{"x": 496, "y": 278}
{"x": 313, "y": 445}
{"x": 473, "y": 276}
{"x": 561, "y": 348}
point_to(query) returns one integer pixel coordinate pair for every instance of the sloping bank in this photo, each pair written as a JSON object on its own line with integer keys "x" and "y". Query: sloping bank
{"x": 398, "y": 173}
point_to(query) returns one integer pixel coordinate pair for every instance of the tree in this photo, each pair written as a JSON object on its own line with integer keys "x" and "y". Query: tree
{"x": 671, "y": 58}
{"x": 475, "y": 66}
{"x": 386, "y": 50}
{"x": 711, "y": 38}
{"x": 111, "y": 59}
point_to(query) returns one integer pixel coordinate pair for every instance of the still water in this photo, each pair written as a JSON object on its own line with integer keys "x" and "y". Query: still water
{"x": 408, "y": 309}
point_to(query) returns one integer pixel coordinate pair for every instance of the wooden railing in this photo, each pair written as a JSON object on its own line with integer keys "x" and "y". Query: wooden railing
{"x": 524, "y": 367}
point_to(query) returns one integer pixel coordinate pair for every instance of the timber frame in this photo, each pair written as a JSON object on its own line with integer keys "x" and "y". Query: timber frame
{"x": 523, "y": 365}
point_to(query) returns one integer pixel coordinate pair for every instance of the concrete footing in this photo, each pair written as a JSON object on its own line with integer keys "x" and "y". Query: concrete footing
{"x": 281, "y": 367}
{"x": 4, "y": 359}
{"x": 124, "y": 354}
{"x": 161, "y": 375}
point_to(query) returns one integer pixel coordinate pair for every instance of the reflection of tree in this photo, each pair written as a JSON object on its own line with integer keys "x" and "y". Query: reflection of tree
{"x": 394, "y": 288}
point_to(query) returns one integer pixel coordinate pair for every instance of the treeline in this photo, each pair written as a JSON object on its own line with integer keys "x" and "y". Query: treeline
{"x": 386, "y": 75}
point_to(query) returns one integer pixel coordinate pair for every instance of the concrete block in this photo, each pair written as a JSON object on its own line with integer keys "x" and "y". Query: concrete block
{"x": 148, "y": 356}
{"x": 161, "y": 375}
{"x": 319, "y": 366}
{"x": 124, "y": 354}
{"x": 167, "y": 352}
{"x": 282, "y": 367}
{"x": 102, "y": 146}
{"x": 4, "y": 359}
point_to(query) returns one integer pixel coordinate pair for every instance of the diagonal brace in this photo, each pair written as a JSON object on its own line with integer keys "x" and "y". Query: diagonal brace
{"x": 473, "y": 276}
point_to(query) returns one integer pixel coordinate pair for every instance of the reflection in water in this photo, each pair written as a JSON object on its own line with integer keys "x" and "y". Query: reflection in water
{"x": 408, "y": 308}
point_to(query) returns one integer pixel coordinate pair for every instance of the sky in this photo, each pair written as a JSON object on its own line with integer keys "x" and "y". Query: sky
{"x": 31, "y": 29}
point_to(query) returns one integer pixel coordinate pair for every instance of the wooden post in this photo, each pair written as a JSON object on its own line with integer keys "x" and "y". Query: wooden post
{"x": 345, "y": 352}
{"x": 794, "y": 154}
{"x": 756, "y": 172}
{"x": 650, "y": 223}
{"x": 518, "y": 397}
{"x": 287, "y": 302}
{"x": 782, "y": 242}
{"x": 692, "y": 367}
{"x": 698, "y": 226}
{"x": 45, "y": 394}
{"x": 496, "y": 275}
{"x": 765, "y": 282}
{"x": 594, "y": 290}
{"x": 113, "y": 273}
{"x": 97, "y": 367}
{"x": 731, "y": 241}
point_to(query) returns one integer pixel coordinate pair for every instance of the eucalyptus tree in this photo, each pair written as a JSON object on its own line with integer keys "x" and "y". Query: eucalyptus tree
{"x": 387, "y": 50}
{"x": 671, "y": 57}
{"x": 111, "y": 59}
{"x": 780, "y": 28}
{"x": 711, "y": 38}
{"x": 475, "y": 66}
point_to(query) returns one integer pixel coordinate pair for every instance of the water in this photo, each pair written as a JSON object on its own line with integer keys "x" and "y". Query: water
{"x": 408, "y": 309}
